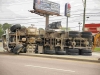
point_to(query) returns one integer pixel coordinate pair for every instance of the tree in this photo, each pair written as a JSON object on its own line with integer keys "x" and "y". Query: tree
{"x": 5, "y": 26}
{"x": 41, "y": 29}
{"x": 1, "y": 30}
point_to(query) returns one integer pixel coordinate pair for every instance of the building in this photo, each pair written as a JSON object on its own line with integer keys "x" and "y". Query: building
{"x": 94, "y": 28}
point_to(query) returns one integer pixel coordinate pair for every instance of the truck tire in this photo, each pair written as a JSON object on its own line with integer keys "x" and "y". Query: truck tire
{"x": 86, "y": 34}
{"x": 86, "y": 51}
{"x": 14, "y": 27}
{"x": 53, "y": 26}
{"x": 15, "y": 50}
{"x": 70, "y": 53}
{"x": 73, "y": 50}
{"x": 61, "y": 52}
{"x": 74, "y": 34}
{"x": 49, "y": 51}
{"x": 58, "y": 26}
{"x": 24, "y": 50}
{"x": 87, "y": 54}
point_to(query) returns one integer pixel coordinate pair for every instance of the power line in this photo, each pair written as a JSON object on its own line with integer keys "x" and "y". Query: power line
{"x": 78, "y": 15}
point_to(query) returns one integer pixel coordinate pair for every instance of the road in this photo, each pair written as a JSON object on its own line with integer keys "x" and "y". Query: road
{"x": 24, "y": 65}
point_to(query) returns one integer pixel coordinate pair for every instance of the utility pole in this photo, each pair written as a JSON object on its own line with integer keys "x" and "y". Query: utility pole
{"x": 84, "y": 15}
{"x": 47, "y": 21}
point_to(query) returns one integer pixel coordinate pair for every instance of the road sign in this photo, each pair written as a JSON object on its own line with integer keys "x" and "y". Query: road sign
{"x": 67, "y": 9}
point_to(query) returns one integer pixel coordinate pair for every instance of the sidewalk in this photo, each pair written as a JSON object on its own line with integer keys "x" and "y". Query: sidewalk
{"x": 94, "y": 58}
{"x": 96, "y": 54}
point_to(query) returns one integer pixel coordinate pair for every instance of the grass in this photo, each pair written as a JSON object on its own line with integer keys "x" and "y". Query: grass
{"x": 97, "y": 49}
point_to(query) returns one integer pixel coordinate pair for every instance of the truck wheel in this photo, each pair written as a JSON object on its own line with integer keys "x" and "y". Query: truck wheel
{"x": 74, "y": 34}
{"x": 73, "y": 50}
{"x": 58, "y": 26}
{"x": 86, "y": 34}
{"x": 14, "y": 27}
{"x": 87, "y": 54}
{"x": 24, "y": 50}
{"x": 70, "y": 53}
{"x": 61, "y": 52}
{"x": 53, "y": 26}
{"x": 15, "y": 50}
{"x": 86, "y": 51}
{"x": 89, "y": 33}
{"x": 49, "y": 51}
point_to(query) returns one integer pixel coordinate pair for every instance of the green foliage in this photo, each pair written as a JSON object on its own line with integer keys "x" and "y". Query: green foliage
{"x": 41, "y": 29}
{"x": 97, "y": 49}
{"x": 6, "y": 25}
{"x": 3, "y": 27}
{"x": 1, "y": 30}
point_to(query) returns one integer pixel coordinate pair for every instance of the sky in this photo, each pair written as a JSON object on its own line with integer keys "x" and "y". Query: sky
{"x": 16, "y": 11}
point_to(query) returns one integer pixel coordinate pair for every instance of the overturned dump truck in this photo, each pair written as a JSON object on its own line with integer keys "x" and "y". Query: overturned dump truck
{"x": 53, "y": 40}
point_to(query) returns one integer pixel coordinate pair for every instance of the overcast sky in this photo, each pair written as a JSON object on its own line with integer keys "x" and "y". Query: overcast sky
{"x": 16, "y": 11}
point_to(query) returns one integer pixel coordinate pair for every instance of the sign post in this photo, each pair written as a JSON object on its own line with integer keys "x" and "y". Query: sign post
{"x": 47, "y": 21}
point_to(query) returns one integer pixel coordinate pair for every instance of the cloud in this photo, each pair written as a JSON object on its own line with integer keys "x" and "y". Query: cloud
{"x": 19, "y": 9}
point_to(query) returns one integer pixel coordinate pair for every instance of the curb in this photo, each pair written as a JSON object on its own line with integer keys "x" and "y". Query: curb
{"x": 74, "y": 58}
{"x": 64, "y": 58}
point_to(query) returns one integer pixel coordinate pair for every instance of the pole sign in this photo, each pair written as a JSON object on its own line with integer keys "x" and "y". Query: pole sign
{"x": 46, "y": 6}
{"x": 67, "y": 9}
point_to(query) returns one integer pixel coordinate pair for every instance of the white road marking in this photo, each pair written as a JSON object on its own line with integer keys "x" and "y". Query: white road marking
{"x": 49, "y": 68}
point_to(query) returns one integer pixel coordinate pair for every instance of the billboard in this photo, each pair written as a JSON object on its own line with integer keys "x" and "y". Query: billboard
{"x": 67, "y": 9}
{"x": 48, "y": 6}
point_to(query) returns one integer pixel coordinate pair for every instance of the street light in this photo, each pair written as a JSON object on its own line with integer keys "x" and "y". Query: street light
{"x": 79, "y": 25}
{"x": 87, "y": 17}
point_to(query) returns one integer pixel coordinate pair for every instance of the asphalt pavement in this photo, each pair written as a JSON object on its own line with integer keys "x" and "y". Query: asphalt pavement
{"x": 24, "y": 65}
